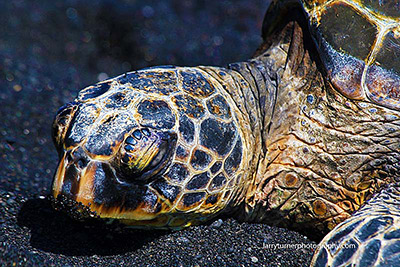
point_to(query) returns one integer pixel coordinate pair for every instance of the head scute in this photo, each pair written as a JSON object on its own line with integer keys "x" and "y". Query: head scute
{"x": 167, "y": 134}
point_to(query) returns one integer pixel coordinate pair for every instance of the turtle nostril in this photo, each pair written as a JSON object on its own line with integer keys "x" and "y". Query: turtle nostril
{"x": 77, "y": 157}
{"x": 81, "y": 163}
{"x": 69, "y": 158}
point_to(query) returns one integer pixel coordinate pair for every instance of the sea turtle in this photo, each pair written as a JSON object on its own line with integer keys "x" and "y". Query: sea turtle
{"x": 304, "y": 135}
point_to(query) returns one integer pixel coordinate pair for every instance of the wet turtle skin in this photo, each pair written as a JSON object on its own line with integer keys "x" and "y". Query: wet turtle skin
{"x": 304, "y": 135}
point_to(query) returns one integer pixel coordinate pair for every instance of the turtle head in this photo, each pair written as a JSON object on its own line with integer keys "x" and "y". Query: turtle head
{"x": 157, "y": 148}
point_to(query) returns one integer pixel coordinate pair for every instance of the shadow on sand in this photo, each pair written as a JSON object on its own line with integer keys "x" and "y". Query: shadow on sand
{"x": 55, "y": 232}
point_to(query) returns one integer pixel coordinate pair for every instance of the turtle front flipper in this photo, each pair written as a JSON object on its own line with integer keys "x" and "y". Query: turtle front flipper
{"x": 371, "y": 237}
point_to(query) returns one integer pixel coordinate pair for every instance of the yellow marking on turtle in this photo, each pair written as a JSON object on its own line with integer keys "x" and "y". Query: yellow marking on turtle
{"x": 86, "y": 183}
{"x": 141, "y": 158}
{"x": 59, "y": 177}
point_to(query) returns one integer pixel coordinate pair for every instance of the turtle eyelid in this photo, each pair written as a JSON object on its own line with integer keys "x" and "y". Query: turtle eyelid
{"x": 129, "y": 148}
{"x": 146, "y": 132}
{"x": 137, "y": 134}
{"x": 131, "y": 141}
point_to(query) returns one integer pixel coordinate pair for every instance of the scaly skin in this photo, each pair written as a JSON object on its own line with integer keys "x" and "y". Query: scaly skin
{"x": 324, "y": 153}
{"x": 310, "y": 157}
{"x": 370, "y": 237}
{"x": 302, "y": 141}
{"x": 201, "y": 121}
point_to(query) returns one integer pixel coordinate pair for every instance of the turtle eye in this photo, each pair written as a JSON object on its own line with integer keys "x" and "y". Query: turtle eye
{"x": 145, "y": 154}
{"x": 61, "y": 123}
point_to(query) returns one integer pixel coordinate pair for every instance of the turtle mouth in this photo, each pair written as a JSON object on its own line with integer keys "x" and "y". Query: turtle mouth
{"x": 84, "y": 213}
{"x": 73, "y": 208}
{"x": 85, "y": 187}
{"x": 95, "y": 191}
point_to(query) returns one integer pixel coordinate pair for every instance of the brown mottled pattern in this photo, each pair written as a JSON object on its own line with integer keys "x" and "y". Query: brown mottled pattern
{"x": 326, "y": 154}
{"x": 359, "y": 40}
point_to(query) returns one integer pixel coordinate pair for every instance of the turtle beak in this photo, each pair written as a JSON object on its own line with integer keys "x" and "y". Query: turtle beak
{"x": 74, "y": 177}
{"x": 92, "y": 188}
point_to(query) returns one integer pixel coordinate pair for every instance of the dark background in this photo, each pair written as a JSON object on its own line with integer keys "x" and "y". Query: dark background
{"x": 51, "y": 49}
